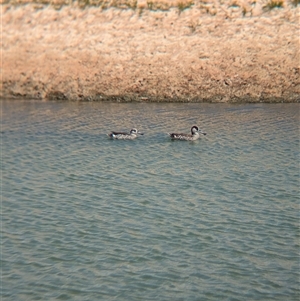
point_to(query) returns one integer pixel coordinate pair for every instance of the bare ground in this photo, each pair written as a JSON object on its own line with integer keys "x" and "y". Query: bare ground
{"x": 117, "y": 54}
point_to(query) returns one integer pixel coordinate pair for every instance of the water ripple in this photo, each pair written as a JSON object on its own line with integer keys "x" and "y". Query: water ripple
{"x": 87, "y": 218}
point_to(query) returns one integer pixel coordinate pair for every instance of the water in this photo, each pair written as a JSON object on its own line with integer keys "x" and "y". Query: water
{"x": 88, "y": 218}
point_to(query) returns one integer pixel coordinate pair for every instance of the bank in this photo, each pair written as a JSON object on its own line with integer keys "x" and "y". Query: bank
{"x": 200, "y": 51}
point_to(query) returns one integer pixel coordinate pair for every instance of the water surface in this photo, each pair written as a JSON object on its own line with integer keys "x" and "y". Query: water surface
{"x": 88, "y": 218}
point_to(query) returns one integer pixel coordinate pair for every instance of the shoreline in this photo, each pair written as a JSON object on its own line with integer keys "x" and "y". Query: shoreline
{"x": 136, "y": 99}
{"x": 121, "y": 55}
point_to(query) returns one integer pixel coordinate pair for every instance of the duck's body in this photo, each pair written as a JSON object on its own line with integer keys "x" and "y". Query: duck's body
{"x": 187, "y": 137}
{"x": 125, "y": 136}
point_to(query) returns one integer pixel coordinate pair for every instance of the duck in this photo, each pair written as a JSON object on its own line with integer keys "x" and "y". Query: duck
{"x": 195, "y": 131}
{"x": 125, "y": 136}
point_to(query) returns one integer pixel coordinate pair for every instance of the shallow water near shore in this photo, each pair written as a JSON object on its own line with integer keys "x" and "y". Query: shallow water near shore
{"x": 88, "y": 218}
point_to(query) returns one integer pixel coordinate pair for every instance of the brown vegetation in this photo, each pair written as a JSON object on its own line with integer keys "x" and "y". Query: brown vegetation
{"x": 128, "y": 50}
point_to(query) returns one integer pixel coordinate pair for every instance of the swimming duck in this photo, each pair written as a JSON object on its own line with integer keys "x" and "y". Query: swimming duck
{"x": 194, "y": 135}
{"x": 125, "y": 136}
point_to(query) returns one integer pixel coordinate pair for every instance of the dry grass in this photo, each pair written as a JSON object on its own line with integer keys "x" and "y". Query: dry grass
{"x": 228, "y": 8}
{"x": 76, "y": 53}
{"x": 271, "y": 4}
{"x": 295, "y": 2}
{"x": 182, "y": 5}
{"x": 211, "y": 7}
{"x": 154, "y": 5}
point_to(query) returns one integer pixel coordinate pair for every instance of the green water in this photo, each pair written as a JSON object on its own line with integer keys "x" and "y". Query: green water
{"x": 88, "y": 218}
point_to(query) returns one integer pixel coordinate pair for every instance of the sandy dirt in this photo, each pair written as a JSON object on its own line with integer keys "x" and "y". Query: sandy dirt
{"x": 215, "y": 54}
